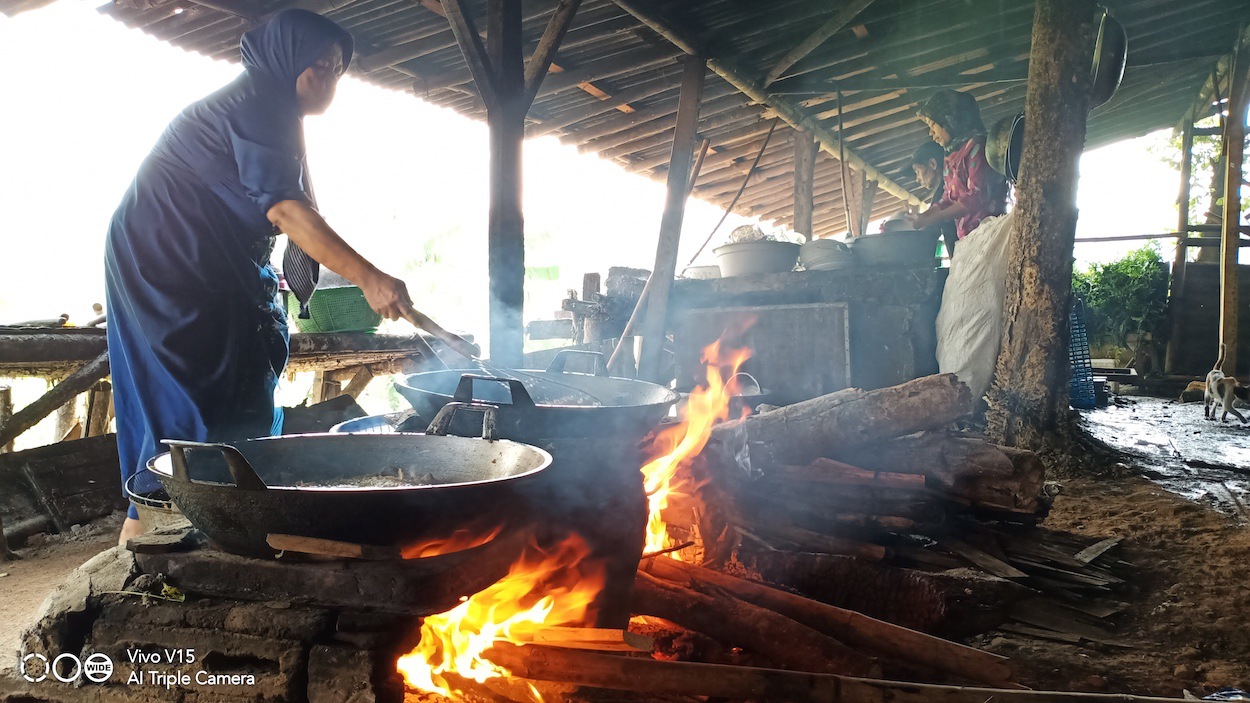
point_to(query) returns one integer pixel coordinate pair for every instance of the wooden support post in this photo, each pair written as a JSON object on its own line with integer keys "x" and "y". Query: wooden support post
{"x": 99, "y": 400}
{"x": 1176, "y": 306}
{"x": 1030, "y": 392}
{"x": 656, "y": 319}
{"x": 805, "y": 149}
{"x": 507, "y": 222}
{"x": 508, "y": 87}
{"x": 324, "y": 388}
{"x": 1234, "y": 155}
{"x": 6, "y": 412}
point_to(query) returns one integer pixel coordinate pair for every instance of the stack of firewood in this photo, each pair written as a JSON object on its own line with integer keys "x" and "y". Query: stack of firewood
{"x": 835, "y": 473}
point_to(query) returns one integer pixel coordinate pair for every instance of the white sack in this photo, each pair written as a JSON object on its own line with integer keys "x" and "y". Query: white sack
{"x": 970, "y": 321}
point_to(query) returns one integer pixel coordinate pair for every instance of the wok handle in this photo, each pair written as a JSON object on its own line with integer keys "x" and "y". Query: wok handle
{"x": 490, "y": 419}
{"x": 244, "y": 475}
{"x": 557, "y": 364}
{"x": 520, "y": 396}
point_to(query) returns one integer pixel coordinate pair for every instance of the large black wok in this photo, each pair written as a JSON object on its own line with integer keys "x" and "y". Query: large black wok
{"x": 239, "y": 494}
{"x": 542, "y": 405}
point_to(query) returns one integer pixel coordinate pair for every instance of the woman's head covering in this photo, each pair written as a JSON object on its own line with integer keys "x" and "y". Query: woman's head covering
{"x": 282, "y": 48}
{"x": 955, "y": 112}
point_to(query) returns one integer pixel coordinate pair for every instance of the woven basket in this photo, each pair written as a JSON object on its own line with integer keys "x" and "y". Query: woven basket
{"x": 335, "y": 310}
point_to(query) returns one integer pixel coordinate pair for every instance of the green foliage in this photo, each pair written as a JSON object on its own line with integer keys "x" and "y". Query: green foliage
{"x": 1125, "y": 299}
{"x": 1203, "y": 176}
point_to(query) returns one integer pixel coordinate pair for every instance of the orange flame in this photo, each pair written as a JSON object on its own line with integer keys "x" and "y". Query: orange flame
{"x": 541, "y": 589}
{"x": 458, "y": 541}
{"x": 679, "y": 444}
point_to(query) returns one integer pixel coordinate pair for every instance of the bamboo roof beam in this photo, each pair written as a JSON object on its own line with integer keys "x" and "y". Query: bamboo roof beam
{"x": 684, "y": 40}
{"x": 842, "y": 16}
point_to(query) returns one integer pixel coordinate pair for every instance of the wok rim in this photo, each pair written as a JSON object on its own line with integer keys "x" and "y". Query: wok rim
{"x": 670, "y": 398}
{"x": 544, "y": 455}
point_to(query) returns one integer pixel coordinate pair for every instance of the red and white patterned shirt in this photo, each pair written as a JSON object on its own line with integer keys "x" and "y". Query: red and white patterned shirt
{"x": 970, "y": 180}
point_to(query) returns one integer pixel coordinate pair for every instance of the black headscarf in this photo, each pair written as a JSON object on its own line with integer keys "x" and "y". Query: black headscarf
{"x": 955, "y": 112}
{"x": 275, "y": 54}
{"x": 292, "y": 40}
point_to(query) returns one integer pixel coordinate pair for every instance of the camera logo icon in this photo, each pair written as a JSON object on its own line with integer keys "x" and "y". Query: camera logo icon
{"x": 66, "y": 667}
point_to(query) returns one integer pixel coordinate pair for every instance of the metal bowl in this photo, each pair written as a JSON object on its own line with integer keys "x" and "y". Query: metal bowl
{"x": 902, "y": 248}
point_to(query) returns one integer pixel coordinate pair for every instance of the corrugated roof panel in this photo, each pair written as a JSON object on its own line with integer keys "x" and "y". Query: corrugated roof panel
{"x": 911, "y": 48}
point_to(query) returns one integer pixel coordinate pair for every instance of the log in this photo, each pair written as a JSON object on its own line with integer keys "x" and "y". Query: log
{"x": 60, "y": 394}
{"x": 985, "y": 475}
{"x": 808, "y": 540}
{"x": 823, "y": 426}
{"x": 855, "y": 629}
{"x": 331, "y": 548}
{"x": 596, "y": 639}
{"x": 748, "y": 683}
{"x": 954, "y": 605}
{"x": 835, "y": 473}
{"x": 736, "y": 622}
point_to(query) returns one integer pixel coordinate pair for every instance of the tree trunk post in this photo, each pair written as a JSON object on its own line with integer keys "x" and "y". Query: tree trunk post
{"x": 805, "y": 149}
{"x": 1234, "y": 154}
{"x": 1028, "y": 402}
{"x": 1176, "y": 306}
{"x": 655, "y": 322}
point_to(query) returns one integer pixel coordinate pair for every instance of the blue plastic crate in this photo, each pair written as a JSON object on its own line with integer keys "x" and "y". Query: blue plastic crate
{"x": 1081, "y": 391}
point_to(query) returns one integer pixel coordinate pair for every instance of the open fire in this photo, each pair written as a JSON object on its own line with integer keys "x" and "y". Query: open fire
{"x": 557, "y": 588}
{"x": 541, "y": 589}
{"x": 676, "y": 446}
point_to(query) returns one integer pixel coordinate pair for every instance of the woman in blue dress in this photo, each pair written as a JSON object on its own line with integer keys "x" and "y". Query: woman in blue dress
{"x": 197, "y": 338}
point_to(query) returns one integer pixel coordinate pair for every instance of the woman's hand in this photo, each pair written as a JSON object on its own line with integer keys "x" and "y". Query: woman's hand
{"x": 387, "y": 295}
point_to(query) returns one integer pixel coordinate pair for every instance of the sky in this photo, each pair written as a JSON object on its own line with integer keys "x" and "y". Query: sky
{"x": 83, "y": 99}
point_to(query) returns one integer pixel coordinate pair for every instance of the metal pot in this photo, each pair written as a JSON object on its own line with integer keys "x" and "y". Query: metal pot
{"x": 903, "y": 247}
{"x": 539, "y": 405}
{"x": 240, "y": 493}
{"x": 744, "y": 258}
{"x": 1004, "y": 145}
{"x": 1110, "y": 57}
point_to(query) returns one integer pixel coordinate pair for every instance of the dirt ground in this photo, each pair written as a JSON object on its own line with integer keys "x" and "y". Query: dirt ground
{"x": 25, "y": 582}
{"x": 1189, "y": 601}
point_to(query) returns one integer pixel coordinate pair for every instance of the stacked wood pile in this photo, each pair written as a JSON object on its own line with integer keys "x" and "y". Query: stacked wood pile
{"x": 870, "y": 501}
{"x": 834, "y": 473}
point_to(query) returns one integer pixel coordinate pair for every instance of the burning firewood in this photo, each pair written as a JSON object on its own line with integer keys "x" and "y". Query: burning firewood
{"x": 855, "y": 629}
{"x": 730, "y": 620}
{"x": 590, "y": 638}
